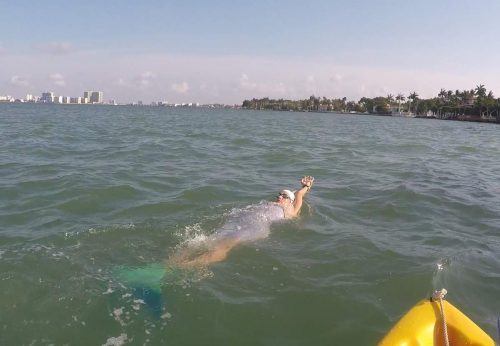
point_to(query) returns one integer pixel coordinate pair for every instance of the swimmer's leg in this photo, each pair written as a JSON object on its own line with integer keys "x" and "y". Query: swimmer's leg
{"x": 217, "y": 253}
{"x": 145, "y": 283}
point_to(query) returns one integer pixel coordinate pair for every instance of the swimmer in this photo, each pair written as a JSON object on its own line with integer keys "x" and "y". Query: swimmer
{"x": 252, "y": 225}
{"x": 292, "y": 202}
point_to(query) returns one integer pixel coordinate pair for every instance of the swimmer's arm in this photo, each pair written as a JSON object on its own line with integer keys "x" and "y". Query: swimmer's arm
{"x": 299, "y": 194}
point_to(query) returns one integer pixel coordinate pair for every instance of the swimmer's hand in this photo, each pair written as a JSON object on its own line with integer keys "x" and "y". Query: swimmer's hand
{"x": 307, "y": 181}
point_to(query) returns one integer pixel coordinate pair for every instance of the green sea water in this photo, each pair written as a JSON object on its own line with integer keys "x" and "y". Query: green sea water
{"x": 400, "y": 207}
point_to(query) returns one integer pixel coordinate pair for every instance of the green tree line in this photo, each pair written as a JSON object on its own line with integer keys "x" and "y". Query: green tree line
{"x": 473, "y": 104}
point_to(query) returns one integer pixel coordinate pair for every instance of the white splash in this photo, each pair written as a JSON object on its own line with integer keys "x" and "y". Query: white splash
{"x": 58, "y": 254}
{"x": 109, "y": 291}
{"x": 193, "y": 235}
{"x": 116, "y": 341}
{"x": 117, "y": 314}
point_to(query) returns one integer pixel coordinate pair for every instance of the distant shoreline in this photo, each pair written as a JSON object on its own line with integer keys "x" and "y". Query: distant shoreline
{"x": 463, "y": 118}
{"x": 474, "y": 105}
{"x": 43, "y": 104}
{"x": 460, "y": 118}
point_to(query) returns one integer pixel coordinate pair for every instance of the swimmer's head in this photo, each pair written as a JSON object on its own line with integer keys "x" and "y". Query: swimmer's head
{"x": 286, "y": 194}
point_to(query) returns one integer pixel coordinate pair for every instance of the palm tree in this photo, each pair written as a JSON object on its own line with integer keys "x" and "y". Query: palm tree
{"x": 480, "y": 90}
{"x": 442, "y": 99}
{"x": 489, "y": 102}
{"x": 351, "y": 106}
{"x": 313, "y": 102}
{"x": 442, "y": 93}
{"x": 400, "y": 97}
{"x": 413, "y": 97}
{"x": 481, "y": 95}
{"x": 467, "y": 98}
{"x": 344, "y": 104}
{"x": 498, "y": 110}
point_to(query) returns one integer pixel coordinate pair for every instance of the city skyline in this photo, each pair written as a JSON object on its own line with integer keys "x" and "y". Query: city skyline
{"x": 89, "y": 97}
{"x": 97, "y": 97}
{"x": 225, "y": 52}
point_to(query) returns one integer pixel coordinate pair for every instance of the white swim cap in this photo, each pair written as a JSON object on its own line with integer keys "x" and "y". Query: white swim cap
{"x": 288, "y": 193}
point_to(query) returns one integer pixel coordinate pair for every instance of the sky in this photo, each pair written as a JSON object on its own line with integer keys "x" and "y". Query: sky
{"x": 226, "y": 51}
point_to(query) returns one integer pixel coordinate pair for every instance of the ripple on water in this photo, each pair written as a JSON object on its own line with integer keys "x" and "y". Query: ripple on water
{"x": 400, "y": 207}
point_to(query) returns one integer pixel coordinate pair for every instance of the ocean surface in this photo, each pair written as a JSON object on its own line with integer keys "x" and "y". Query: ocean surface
{"x": 400, "y": 207}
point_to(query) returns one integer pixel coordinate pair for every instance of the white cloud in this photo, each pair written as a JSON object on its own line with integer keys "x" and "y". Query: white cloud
{"x": 261, "y": 88}
{"x": 180, "y": 88}
{"x": 58, "y": 48}
{"x": 121, "y": 82}
{"x": 336, "y": 78}
{"x": 246, "y": 84}
{"x": 57, "y": 79}
{"x": 18, "y": 81}
{"x": 141, "y": 81}
{"x": 211, "y": 91}
{"x": 144, "y": 79}
{"x": 227, "y": 79}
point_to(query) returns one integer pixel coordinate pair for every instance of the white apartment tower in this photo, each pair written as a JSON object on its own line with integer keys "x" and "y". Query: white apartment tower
{"x": 96, "y": 97}
{"x": 93, "y": 97}
{"x": 47, "y": 97}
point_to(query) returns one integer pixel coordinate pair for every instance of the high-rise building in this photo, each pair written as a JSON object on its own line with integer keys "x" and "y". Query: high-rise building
{"x": 93, "y": 97}
{"x": 47, "y": 97}
{"x": 97, "y": 97}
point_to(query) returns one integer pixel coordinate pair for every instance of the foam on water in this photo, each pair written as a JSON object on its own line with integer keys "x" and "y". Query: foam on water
{"x": 116, "y": 340}
{"x": 193, "y": 235}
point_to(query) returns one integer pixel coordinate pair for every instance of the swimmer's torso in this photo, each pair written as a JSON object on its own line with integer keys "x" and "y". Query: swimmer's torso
{"x": 288, "y": 210}
{"x": 251, "y": 223}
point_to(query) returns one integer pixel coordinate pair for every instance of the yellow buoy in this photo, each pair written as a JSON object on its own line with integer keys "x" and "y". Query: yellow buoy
{"x": 422, "y": 325}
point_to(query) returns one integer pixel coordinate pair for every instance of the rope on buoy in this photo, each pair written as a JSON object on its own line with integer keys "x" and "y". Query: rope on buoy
{"x": 439, "y": 296}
